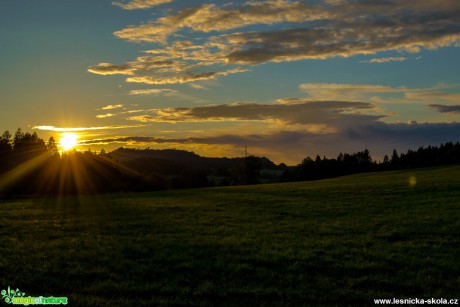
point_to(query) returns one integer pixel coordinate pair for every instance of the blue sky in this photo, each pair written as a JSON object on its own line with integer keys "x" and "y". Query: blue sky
{"x": 285, "y": 78}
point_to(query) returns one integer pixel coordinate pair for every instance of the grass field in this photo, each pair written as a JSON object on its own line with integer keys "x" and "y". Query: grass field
{"x": 338, "y": 242}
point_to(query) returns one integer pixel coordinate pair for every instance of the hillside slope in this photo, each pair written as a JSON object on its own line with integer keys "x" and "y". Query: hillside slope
{"x": 336, "y": 242}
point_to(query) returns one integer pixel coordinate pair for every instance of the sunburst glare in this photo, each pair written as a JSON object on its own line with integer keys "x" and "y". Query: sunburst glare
{"x": 68, "y": 141}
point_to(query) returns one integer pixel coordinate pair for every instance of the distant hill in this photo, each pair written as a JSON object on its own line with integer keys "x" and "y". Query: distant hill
{"x": 31, "y": 166}
{"x": 173, "y": 161}
{"x": 126, "y": 170}
{"x": 185, "y": 169}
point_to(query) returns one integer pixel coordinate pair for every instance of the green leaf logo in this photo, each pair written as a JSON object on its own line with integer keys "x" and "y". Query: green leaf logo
{"x": 8, "y": 295}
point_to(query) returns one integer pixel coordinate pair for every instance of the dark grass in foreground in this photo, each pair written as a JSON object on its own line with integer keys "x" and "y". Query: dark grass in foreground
{"x": 343, "y": 241}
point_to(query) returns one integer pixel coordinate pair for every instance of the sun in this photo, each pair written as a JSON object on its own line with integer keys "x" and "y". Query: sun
{"x": 68, "y": 141}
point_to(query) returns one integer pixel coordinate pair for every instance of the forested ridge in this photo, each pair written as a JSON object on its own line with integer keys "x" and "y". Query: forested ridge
{"x": 31, "y": 166}
{"x": 361, "y": 162}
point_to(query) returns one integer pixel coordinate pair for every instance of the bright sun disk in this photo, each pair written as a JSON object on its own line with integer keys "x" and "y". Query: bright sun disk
{"x": 68, "y": 141}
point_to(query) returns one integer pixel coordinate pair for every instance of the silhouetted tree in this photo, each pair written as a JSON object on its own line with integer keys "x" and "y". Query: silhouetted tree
{"x": 386, "y": 160}
{"x": 5, "y": 150}
{"x": 18, "y": 137}
{"x": 394, "y": 158}
{"x": 361, "y": 161}
{"x": 5, "y": 142}
{"x": 52, "y": 146}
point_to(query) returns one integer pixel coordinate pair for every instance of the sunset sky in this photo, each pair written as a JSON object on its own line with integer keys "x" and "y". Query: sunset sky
{"x": 287, "y": 79}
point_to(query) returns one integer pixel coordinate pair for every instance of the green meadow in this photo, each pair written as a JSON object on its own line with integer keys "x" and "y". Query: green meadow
{"x": 335, "y": 242}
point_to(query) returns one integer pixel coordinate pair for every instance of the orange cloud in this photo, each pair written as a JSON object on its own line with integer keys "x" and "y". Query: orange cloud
{"x": 288, "y": 31}
{"x": 81, "y": 129}
{"x": 140, "y": 4}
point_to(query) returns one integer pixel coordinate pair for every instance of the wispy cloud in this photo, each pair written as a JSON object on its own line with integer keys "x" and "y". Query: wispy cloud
{"x": 105, "y": 115}
{"x": 210, "y": 17}
{"x": 82, "y": 129}
{"x": 198, "y": 87}
{"x": 446, "y": 109}
{"x": 181, "y": 78}
{"x": 386, "y": 60}
{"x": 381, "y": 26}
{"x": 140, "y": 4}
{"x": 286, "y": 31}
{"x": 329, "y": 114}
{"x": 111, "y": 69}
{"x": 112, "y": 106}
{"x": 154, "y": 92}
{"x": 344, "y": 87}
{"x": 433, "y": 95}
{"x": 380, "y": 93}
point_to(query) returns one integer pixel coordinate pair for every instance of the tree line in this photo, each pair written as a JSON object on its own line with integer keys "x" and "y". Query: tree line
{"x": 362, "y": 162}
{"x": 31, "y": 166}
{"x": 20, "y": 147}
